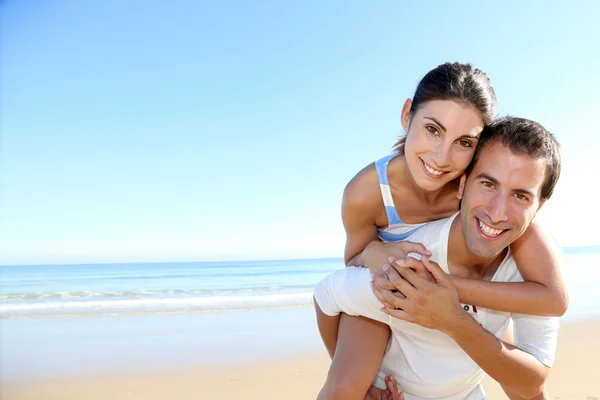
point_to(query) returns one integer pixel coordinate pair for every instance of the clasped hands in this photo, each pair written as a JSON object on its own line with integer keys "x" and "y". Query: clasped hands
{"x": 417, "y": 291}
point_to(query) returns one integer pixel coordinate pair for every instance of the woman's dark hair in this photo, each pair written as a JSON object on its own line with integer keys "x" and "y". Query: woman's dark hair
{"x": 459, "y": 82}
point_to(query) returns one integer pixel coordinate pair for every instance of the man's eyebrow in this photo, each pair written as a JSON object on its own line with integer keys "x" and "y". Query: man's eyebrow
{"x": 437, "y": 122}
{"x": 525, "y": 191}
{"x": 483, "y": 175}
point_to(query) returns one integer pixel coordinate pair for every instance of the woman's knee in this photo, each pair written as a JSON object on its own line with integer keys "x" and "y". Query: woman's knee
{"x": 343, "y": 388}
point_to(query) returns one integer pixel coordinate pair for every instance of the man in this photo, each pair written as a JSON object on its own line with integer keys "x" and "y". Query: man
{"x": 440, "y": 348}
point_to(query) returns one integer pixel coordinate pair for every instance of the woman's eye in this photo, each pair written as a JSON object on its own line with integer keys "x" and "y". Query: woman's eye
{"x": 465, "y": 143}
{"x": 432, "y": 129}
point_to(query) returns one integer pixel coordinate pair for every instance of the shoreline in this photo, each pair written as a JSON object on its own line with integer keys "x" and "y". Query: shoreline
{"x": 290, "y": 375}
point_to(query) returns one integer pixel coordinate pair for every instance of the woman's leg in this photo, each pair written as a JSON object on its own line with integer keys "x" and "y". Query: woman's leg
{"x": 360, "y": 346}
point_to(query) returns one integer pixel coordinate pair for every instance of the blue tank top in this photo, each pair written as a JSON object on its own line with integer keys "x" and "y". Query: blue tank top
{"x": 396, "y": 229}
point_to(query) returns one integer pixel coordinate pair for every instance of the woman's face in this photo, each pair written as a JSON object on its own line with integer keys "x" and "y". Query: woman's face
{"x": 441, "y": 140}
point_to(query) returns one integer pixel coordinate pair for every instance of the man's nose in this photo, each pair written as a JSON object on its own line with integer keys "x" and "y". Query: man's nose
{"x": 497, "y": 209}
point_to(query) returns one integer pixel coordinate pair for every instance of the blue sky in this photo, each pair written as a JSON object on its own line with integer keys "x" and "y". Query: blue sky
{"x": 186, "y": 130}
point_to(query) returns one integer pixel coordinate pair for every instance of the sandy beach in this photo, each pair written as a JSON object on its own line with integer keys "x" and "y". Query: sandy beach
{"x": 576, "y": 375}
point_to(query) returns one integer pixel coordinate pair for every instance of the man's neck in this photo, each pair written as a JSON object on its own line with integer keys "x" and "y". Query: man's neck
{"x": 462, "y": 262}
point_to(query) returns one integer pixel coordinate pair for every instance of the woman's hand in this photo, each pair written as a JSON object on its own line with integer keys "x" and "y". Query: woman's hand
{"x": 377, "y": 254}
{"x": 384, "y": 282}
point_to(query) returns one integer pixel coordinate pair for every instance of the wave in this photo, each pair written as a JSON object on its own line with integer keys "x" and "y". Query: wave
{"x": 154, "y": 305}
{"x": 149, "y": 292}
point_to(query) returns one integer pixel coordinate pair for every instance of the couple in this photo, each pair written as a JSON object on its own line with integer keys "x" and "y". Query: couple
{"x": 448, "y": 311}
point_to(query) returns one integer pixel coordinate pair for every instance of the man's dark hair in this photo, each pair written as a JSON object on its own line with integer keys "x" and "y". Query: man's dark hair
{"x": 462, "y": 83}
{"x": 523, "y": 136}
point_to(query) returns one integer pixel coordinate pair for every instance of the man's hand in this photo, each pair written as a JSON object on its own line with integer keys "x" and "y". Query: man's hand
{"x": 391, "y": 393}
{"x": 433, "y": 305}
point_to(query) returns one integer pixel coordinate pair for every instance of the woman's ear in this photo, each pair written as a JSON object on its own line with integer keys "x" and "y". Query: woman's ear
{"x": 405, "y": 116}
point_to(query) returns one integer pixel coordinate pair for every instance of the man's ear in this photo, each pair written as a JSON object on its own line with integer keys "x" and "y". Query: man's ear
{"x": 461, "y": 186}
{"x": 405, "y": 116}
{"x": 542, "y": 202}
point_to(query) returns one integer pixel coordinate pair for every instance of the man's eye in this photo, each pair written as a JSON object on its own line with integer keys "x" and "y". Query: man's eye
{"x": 432, "y": 129}
{"x": 521, "y": 197}
{"x": 487, "y": 184}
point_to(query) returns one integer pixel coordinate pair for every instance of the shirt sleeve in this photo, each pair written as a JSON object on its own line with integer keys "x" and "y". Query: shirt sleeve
{"x": 537, "y": 336}
{"x": 349, "y": 290}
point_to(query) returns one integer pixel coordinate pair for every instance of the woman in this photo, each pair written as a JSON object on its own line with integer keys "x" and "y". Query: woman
{"x": 420, "y": 182}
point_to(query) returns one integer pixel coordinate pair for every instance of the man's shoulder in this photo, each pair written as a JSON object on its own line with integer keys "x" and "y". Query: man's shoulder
{"x": 508, "y": 270}
{"x": 433, "y": 233}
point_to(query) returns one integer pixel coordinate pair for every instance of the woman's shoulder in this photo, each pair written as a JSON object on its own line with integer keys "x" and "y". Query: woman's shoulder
{"x": 362, "y": 191}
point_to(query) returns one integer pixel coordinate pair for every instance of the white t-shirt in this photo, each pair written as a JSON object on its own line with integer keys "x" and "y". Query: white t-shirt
{"x": 427, "y": 363}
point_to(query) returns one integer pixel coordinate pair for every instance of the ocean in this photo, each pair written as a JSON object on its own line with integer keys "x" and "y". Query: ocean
{"x": 157, "y": 288}
{"x": 143, "y": 288}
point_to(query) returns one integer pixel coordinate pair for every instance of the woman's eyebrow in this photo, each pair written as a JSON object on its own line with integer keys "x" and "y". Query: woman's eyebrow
{"x": 437, "y": 122}
{"x": 466, "y": 136}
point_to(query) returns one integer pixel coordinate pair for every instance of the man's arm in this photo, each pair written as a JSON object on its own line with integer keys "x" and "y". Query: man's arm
{"x": 435, "y": 305}
{"x": 513, "y": 368}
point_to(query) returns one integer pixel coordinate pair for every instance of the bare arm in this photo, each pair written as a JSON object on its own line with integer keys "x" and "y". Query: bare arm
{"x": 509, "y": 338}
{"x": 435, "y": 305}
{"x": 358, "y": 345}
{"x": 516, "y": 370}
{"x": 359, "y": 216}
{"x": 544, "y": 291}
{"x": 361, "y": 198}
{"x": 359, "y": 220}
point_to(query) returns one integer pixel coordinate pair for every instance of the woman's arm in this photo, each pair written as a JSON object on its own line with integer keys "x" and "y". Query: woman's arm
{"x": 361, "y": 206}
{"x": 355, "y": 344}
{"x": 544, "y": 292}
{"x": 359, "y": 216}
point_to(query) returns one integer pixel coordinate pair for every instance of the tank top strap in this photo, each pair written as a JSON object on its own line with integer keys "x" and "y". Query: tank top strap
{"x": 381, "y": 166}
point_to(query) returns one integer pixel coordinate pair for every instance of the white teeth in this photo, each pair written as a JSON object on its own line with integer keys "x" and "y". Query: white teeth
{"x": 489, "y": 231}
{"x": 431, "y": 170}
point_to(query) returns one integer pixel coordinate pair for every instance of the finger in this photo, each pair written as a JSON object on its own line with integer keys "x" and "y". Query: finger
{"x": 400, "y": 314}
{"x": 392, "y": 300}
{"x": 399, "y": 283}
{"x": 415, "y": 280}
{"x": 412, "y": 263}
{"x": 412, "y": 247}
{"x": 386, "y": 297}
{"x": 382, "y": 281}
{"x": 380, "y": 297}
{"x": 436, "y": 271}
{"x": 390, "y": 384}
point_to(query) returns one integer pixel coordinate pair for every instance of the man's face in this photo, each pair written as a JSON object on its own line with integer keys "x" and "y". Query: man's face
{"x": 502, "y": 195}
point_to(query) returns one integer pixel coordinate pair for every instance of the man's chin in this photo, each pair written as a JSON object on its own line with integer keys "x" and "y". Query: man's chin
{"x": 486, "y": 252}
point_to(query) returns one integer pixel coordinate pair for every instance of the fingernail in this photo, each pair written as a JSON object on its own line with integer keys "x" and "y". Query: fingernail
{"x": 400, "y": 262}
{"x": 386, "y": 267}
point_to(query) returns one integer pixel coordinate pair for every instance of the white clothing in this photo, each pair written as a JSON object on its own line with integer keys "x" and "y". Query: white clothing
{"x": 427, "y": 363}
